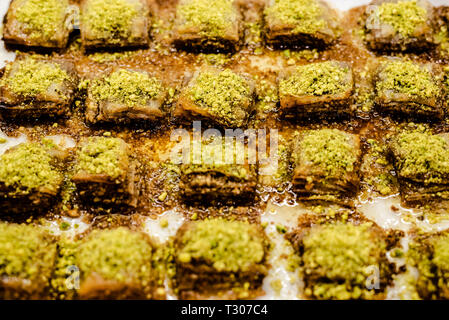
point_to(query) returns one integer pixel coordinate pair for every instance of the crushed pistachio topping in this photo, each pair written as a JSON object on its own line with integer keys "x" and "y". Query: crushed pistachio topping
{"x": 230, "y": 246}
{"x": 25, "y": 252}
{"x": 304, "y": 15}
{"x": 28, "y": 167}
{"x": 42, "y": 18}
{"x": 128, "y": 87}
{"x": 341, "y": 251}
{"x": 327, "y": 149}
{"x": 103, "y": 155}
{"x": 430, "y": 257}
{"x": 223, "y": 94}
{"x": 220, "y": 156}
{"x": 110, "y": 19}
{"x": 213, "y": 18}
{"x": 408, "y": 78}
{"x": 422, "y": 155}
{"x": 30, "y": 77}
{"x": 317, "y": 79}
{"x": 441, "y": 254}
{"x": 404, "y": 16}
{"x": 118, "y": 254}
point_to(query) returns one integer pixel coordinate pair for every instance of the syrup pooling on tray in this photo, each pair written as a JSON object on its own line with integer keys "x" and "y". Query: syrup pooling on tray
{"x": 340, "y": 102}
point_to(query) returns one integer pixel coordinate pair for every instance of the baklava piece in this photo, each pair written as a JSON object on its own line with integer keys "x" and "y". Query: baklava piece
{"x": 407, "y": 88}
{"x": 343, "y": 260}
{"x": 429, "y": 254}
{"x": 399, "y": 25}
{"x": 30, "y": 180}
{"x": 326, "y": 164}
{"x": 33, "y": 87}
{"x": 27, "y": 256}
{"x": 422, "y": 167}
{"x": 207, "y": 25}
{"x": 114, "y": 23}
{"x": 217, "y": 257}
{"x": 317, "y": 88}
{"x": 124, "y": 96}
{"x": 300, "y": 23}
{"x": 217, "y": 174}
{"x": 38, "y": 23}
{"x": 222, "y": 97}
{"x": 116, "y": 264}
{"x": 105, "y": 172}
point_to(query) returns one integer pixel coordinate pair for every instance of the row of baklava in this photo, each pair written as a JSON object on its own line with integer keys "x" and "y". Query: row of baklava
{"x": 322, "y": 165}
{"x": 215, "y": 25}
{"x": 339, "y": 256}
{"x": 34, "y": 86}
{"x": 126, "y": 264}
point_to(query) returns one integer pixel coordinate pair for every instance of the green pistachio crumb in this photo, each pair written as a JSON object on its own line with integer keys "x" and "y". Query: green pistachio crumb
{"x": 404, "y": 16}
{"x": 163, "y": 223}
{"x": 212, "y": 18}
{"x": 281, "y": 229}
{"x": 26, "y": 253}
{"x": 128, "y": 87}
{"x": 42, "y": 18}
{"x": 323, "y": 78}
{"x": 422, "y": 154}
{"x": 408, "y": 78}
{"x": 119, "y": 254}
{"x": 163, "y": 196}
{"x": 30, "y": 77}
{"x": 341, "y": 253}
{"x": 110, "y": 19}
{"x": 103, "y": 155}
{"x": 327, "y": 149}
{"x": 227, "y": 245}
{"x": 225, "y": 94}
{"x": 29, "y": 167}
{"x": 64, "y": 226}
{"x": 305, "y": 16}
{"x": 219, "y": 156}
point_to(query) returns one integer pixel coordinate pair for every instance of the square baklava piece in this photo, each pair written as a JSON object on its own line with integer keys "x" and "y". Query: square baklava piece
{"x": 300, "y": 23}
{"x": 215, "y": 173}
{"x": 27, "y": 256}
{"x": 33, "y": 86}
{"x": 216, "y": 256}
{"x": 114, "y": 23}
{"x": 317, "y": 88}
{"x": 408, "y": 88}
{"x": 326, "y": 164}
{"x": 222, "y": 97}
{"x": 207, "y": 25}
{"x": 30, "y": 178}
{"x": 38, "y": 23}
{"x": 428, "y": 253}
{"x": 343, "y": 260}
{"x": 110, "y": 264}
{"x": 105, "y": 172}
{"x": 421, "y": 165}
{"x": 124, "y": 96}
{"x": 399, "y": 25}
